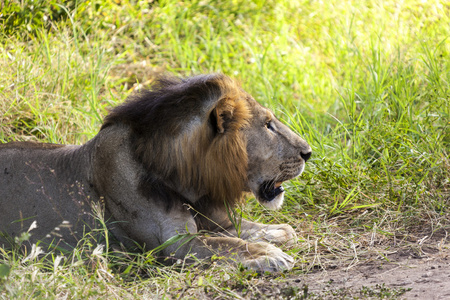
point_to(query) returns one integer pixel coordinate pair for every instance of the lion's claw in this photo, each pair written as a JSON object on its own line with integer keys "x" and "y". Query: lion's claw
{"x": 272, "y": 260}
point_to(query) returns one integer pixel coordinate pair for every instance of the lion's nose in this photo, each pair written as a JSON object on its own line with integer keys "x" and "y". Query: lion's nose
{"x": 306, "y": 155}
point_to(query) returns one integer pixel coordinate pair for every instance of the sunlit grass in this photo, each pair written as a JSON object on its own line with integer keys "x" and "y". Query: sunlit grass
{"x": 366, "y": 83}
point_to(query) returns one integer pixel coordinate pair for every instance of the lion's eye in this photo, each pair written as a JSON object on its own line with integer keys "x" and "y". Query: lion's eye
{"x": 269, "y": 125}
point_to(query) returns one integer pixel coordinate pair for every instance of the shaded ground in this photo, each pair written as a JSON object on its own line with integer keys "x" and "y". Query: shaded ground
{"x": 408, "y": 272}
{"x": 405, "y": 276}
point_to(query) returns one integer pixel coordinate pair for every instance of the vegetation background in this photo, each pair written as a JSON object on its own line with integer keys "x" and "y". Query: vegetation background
{"x": 366, "y": 83}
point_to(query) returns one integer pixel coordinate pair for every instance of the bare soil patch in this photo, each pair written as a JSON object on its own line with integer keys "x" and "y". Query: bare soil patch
{"x": 414, "y": 271}
{"x": 399, "y": 276}
{"x": 404, "y": 278}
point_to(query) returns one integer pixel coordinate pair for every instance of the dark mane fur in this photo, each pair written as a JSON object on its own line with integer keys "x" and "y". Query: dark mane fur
{"x": 153, "y": 110}
{"x": 175, "y": 136}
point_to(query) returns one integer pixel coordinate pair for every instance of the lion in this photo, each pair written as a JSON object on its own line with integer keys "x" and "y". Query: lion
{"x": 170, "y": 162}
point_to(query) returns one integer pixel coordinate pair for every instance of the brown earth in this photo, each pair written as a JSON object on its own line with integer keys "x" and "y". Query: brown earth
{"x": 402, "y": 277}
{"x": 425, "y": 278}
{"x": 417, "y": 269}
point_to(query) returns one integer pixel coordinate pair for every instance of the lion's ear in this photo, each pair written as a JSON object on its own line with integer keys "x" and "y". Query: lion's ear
{"x": 222, "y": 115}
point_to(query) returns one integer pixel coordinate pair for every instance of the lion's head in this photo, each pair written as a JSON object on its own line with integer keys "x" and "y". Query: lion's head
{"x": 275, "y": 154}
{"x": 205, "y": 140}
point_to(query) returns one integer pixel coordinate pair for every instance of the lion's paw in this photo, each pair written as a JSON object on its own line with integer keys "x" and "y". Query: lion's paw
{"x": 270, "y": 259}
{"x": 281, "y": 235}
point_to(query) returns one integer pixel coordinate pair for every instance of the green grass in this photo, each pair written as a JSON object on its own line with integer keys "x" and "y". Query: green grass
{"x": 366, "y": 83}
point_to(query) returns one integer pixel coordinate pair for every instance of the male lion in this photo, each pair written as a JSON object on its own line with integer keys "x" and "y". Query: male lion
{"x": 168, "y": 162}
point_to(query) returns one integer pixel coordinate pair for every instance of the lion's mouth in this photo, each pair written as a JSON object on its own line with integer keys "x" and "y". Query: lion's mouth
{"x": 269, "y": 190}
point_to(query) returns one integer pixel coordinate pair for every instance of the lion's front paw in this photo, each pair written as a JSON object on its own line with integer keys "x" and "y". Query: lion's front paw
{"x": 282, "y": 234}
{"x": 263, "y": 257}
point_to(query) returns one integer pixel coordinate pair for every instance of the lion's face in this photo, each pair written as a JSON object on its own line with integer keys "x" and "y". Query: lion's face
{"x": 275, "y": 154}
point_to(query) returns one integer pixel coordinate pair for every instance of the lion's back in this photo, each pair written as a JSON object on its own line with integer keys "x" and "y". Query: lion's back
{"x": 37, "y": 183}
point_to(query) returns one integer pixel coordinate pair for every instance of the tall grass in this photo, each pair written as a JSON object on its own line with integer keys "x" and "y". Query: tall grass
{"x": 365, "y": 82}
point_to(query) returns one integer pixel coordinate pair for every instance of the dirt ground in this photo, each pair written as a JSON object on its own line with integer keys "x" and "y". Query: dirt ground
{"x": 421, "y": 272}
{"x": 404, "y": 277}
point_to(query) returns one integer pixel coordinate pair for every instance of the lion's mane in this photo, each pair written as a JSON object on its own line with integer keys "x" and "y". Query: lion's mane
{"x": 188, "y": 132}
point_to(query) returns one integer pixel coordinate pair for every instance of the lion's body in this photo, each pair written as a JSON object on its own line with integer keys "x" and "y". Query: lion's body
{"x": 44, "y": 184}
{"x": 165, "y": 163}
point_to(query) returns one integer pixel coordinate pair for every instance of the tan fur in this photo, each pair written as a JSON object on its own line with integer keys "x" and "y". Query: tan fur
{"x": 169, "y": 161}
{"x": 227, "y": 152}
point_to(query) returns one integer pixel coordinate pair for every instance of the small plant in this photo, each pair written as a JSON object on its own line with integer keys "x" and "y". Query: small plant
{"x": 30, "y": 16}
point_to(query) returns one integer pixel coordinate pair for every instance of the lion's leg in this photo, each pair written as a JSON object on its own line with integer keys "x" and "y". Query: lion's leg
{"x": 261, "y": 256}
{"x": 278, "y": 234}
{"x": 176, "y": 229}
